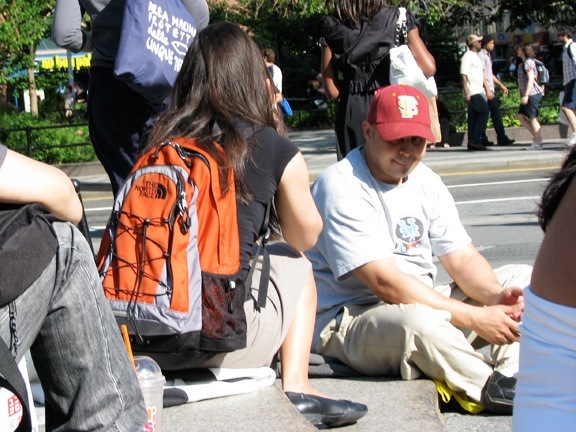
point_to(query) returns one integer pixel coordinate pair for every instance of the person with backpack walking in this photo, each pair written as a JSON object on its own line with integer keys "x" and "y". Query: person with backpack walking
{"x": 119, "y": 118}
{"x": 211, "y": 105}
{"x": 356, "y": 41}
{"x": 569, "y": 80}
{"x": 530, "y": 94}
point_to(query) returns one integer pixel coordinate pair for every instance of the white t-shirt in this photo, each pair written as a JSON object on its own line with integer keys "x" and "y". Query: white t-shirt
{"x": 487, "y": 66}
{"x": 471, "y": 66}
{"x": 367, "y": 220}
{"x": 277, "y": 77}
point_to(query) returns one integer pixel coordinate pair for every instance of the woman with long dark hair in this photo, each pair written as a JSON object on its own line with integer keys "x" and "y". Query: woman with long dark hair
{"x": 356, "y": 39}
{"x": 223, "y": 95}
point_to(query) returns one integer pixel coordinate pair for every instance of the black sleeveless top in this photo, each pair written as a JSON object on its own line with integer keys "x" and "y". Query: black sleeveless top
{"x": 365, "y": 67}
{"x": 270, "y": 155}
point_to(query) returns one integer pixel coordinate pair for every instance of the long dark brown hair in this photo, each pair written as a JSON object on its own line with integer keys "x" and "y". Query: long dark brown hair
{"x": 556, "y": 189}
{"x": 352, "y": 11}
{"x": 222, "y": 83}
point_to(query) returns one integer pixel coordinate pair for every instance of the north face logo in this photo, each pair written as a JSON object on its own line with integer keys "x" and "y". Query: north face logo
{"x": 151, "y": 190}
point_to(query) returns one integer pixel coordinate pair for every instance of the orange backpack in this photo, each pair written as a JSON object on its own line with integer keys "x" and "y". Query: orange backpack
{"x": 170, "y": 256}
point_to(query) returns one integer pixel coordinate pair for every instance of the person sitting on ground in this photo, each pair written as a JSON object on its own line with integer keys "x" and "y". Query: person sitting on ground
{"x": 211, "y": 104}
{"x": 385, "y": 215}
{"x": 62, "y": 316}
{"x": 545, "y": 398}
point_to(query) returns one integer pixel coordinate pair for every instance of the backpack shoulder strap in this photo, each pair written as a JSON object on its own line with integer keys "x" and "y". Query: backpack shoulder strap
{"x": 264, "y": 236}
{"x": 12, "y": 380}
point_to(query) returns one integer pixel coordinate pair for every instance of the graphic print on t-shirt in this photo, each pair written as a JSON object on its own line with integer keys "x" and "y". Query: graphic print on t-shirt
{"x": 409, "y": 232}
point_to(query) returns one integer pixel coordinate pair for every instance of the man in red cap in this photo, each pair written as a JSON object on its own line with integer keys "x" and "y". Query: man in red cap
{"x": 385, "y": 216}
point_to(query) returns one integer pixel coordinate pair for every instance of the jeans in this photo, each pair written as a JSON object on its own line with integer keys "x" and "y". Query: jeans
{"x": 478, "y": 114}
{"x": 65, "y": 321}
{"x": 496, "y": 115}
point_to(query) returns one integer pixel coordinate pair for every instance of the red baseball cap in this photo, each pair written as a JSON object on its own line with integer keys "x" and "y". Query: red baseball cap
{"x": 400, "y": 111}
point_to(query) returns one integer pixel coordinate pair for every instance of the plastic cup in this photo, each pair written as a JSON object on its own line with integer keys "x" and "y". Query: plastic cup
{"x": 152, "y": 384}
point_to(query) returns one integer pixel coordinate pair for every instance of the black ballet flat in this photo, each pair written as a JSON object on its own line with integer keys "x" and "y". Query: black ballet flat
{"x": 330, "y": 412}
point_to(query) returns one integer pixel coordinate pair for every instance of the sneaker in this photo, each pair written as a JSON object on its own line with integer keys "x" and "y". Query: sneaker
{"x": 572, "y": 141}
{"x": 536, "y": 146}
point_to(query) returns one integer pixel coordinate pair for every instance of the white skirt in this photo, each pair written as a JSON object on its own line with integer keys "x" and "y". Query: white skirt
{"x": 546, "y": 389}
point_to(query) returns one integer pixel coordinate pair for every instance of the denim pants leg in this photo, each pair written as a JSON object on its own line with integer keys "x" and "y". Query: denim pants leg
{"x": 478, "y": 114}
{"x": 75, "y": 343}
{"x": 472, "y": 119}
{"x": 496, "y": 115}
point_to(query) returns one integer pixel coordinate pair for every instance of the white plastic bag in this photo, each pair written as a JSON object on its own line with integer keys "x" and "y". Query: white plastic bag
{"x": 405, "y": 70}
{"x": 403, "y": 66}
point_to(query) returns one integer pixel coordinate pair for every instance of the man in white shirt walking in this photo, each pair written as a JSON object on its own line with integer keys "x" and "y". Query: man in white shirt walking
{"x": 493, "y": 102}
{"x": 472, "y": 78}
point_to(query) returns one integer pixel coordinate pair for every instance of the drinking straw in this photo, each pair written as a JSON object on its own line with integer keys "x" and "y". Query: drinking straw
{"x": 124, "y": 329}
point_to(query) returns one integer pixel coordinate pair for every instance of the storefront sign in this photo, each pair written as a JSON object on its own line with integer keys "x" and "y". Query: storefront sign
{"x": 61, "y": 62}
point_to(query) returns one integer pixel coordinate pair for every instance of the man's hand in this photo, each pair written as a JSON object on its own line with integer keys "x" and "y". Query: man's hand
{"x": 489, "y": 94}
{"x": 513, "y": 296}
{"x": 496, "y": 325}
{"x": 504, "y": 89}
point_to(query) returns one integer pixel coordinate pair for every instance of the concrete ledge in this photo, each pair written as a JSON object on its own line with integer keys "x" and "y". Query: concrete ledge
{"x": 392, "y": 405}
{"x": 264, "y": 410}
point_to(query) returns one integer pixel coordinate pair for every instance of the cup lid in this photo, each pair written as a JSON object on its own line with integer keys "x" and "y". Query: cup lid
{"x": 147, "y": 369}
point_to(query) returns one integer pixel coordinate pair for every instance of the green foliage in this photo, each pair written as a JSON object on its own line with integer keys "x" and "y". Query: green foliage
{"x": 525, "y": 12}
{"x": 312, "y": 118}
{"x": 23, "y": 24}
{"x": 65, "y": 136}
{"x": 289, "y": 27}
{"x": 45, "y": 138}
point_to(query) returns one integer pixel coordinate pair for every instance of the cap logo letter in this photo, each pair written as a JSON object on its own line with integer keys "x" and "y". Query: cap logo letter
{"x": 408, "y": 106}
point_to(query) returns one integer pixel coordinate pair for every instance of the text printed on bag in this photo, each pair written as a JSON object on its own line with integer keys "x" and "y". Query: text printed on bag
{"x": 168, "y": 36}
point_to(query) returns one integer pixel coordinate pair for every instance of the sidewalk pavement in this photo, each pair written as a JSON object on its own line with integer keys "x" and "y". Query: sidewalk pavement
{"x": 393, "y": 404}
